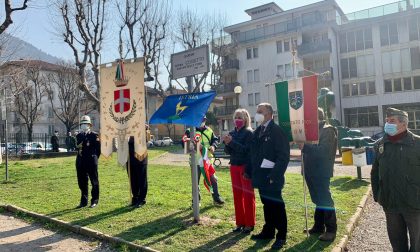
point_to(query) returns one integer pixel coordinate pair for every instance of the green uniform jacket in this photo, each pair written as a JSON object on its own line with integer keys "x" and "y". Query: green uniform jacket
{"x": 395, "y": 173}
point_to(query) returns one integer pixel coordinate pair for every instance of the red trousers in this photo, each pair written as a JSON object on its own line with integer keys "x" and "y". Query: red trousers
{"x": 243, "y": 197}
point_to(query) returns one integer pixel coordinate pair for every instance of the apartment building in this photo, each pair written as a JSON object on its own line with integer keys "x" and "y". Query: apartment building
{"x": 371, "y": 57}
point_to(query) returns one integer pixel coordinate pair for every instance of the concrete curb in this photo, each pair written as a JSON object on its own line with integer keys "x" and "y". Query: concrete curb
{"x": 85, "y": 231}
{"x": 341, "y": 246}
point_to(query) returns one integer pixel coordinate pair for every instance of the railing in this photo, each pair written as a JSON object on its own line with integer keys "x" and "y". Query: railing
{"x": 226, "y": 87}
{"x": 278, "y": 28}
{"x": 380, "y": 11}
{"x": 226, "y": 110}
{"x": 230, "y": 64}
{"x": 309, "y": 48}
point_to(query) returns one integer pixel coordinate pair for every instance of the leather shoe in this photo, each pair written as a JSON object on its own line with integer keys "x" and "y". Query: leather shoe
{"x": 262, "y": 236}
{"x": 81, "y": 205}
{"x": 247, "y": 230}
{"x": 327, "y": 236}
{"x": 93, "y": 205}
{"x": 278, "y": 244}
{"x": 140, "y": 204}
{"x": 237, "y": 229}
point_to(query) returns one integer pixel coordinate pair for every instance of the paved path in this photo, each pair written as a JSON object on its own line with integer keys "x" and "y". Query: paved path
{"x": 17, "y": 235}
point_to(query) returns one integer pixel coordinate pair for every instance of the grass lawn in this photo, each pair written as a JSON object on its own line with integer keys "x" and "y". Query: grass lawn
{"x": 49, "y": 186}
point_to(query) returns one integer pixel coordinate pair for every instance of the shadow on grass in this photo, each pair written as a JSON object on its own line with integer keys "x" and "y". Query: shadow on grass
{"x": 101, "y": 216}
{"x": 162, "y": 228}
{"x": 221, "y": 243}
{"x": 310, "y": 244}
{"x": 348, "y": 183}
{"x": 62, "y": 212}
{"x": 259, "y": 244}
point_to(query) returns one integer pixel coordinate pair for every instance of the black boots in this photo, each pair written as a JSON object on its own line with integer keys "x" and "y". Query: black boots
{"x": 325, "y": 224}
{"x": 319, "y": 225}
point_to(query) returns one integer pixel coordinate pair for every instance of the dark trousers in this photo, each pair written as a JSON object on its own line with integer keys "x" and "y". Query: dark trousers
{"x": 274, "y": 213}
{"x": 325, "y": 216}
{"x": 213, "y": 181}
{"x": 397, "y": 225}
{"x": 138, "y": 179}
{"x": 87, "y": 168}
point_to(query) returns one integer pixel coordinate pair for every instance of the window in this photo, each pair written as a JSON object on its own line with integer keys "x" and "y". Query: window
{"x": 388, "y": 86}
{"x": 413, "y": 28}
{"x": 354, "y": 89}
{"x": 346, "y": 91}
{"x": 416, "y": 81}
{"x": 286, "y": 46}
{"x": 371, "y": 87}
{"x": 288, "y": 69}
{"x": 344, "y": 68}
{"x": 351, "y": 45}
{"x": 249, "y": 76}
{"x": 50, "y": 113}
{"x": 361, "y": 117}
{"x": 359, "y": 40}
{"x": 362, "y": 88}
{"x": 343, "y": 42}
{"x": 415, "y": 58}
{"x": 50, "y": 129}
{"x": 352, "y": 67}
{"x": 280, "y": 71}
{"x": 257, "y": 98}
{"x": 279, "y": 45}
{"x": 255, "y": 50}
{"x": 388, "y": 34}
{"x": 368, "y": 38}
{"x": 407, "y": 84}
{"x": 250, "y": 99}
{"x": 248, "y": 53}
{"x": 256, "y": 75}
{"x": 397, "y": 85}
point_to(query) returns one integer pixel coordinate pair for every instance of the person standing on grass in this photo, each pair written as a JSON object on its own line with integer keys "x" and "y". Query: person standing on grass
{"x": 209, "y": 141}
{"x": 395, "y": 179}
{"x": 319, "y": 165}
{"x": 270, "y": 155}
{"x": 54, "y": 141}
{"x": 237, "y": 145}
{"x": 70, "y": 142}
{"x": 88, "y": 152}
{"x": 137, "y": 170}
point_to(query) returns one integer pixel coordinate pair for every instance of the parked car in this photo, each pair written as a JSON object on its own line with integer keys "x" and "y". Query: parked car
{"x": 37, "y": 147}
{"x": 166, "y": 141}
{"x": 149, "y": 144}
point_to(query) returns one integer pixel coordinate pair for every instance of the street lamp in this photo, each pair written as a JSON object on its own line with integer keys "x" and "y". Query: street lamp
{"x": 238, "y": 91}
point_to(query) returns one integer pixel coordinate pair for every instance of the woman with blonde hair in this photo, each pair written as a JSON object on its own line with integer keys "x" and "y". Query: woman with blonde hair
{"x": 237, "y": 145}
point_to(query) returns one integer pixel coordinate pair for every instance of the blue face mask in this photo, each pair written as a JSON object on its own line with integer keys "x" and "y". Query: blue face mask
{"x": 390, "y": 129}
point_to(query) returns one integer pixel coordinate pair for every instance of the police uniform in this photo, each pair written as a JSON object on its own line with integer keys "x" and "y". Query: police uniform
{"x": 89, "y": 150}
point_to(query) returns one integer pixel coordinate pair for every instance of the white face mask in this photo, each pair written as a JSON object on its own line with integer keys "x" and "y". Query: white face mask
{"x": 259, "y": 118}
{"x": 85, "y": 127}
{"x": 203, "y": 124}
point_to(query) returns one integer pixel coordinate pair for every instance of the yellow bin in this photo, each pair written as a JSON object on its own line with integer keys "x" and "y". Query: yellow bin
{"x": 346, "y": 156}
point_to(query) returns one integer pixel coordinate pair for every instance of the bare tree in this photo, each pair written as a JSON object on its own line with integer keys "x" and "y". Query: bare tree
{"x": 64, "y": 95}
{"x": 8, "y": 11}
{"x": 194, "y": 30}
{"x": 146, "y": 22}
{"x": 82, "y": 28}
{"x": 27, "y": 82}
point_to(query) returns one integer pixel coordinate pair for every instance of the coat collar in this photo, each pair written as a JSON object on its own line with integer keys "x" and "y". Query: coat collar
{"x": 407, "y": 140}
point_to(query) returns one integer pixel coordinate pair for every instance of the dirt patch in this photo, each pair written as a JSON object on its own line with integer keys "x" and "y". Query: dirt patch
{"x": 17, "y": 235}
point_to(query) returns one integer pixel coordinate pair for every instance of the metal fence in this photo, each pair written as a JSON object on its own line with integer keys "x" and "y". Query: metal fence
{"x": 19, "y": 144}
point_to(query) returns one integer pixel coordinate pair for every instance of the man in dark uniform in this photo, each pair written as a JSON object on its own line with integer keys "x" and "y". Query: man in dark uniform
{"x": 54, "y": 141}
{"x": 137, "y": 170}
{"x": 270, "y": 154}
{"x": 395, "y": 179}
{"x": 88, "y": 151}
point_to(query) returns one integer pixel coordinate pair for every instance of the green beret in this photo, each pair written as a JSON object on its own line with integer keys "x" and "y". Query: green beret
{"x": 395, "y": 112}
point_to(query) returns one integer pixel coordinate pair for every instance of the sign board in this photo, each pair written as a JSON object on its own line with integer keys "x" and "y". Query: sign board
{"x": 190, "y": 62}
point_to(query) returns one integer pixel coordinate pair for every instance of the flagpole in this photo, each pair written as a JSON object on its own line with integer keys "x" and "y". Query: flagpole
{"x": 304, "y": 194}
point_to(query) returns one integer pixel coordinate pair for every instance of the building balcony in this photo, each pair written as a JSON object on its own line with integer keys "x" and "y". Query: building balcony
{"x": 323, "y": 46}
{"x": 225, "y": 110}
{"x": 230, "y": 64}
{"x": 225, "y": 88}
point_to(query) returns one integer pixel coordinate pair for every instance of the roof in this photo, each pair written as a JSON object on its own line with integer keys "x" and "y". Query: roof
{"x": 33, "y": 64}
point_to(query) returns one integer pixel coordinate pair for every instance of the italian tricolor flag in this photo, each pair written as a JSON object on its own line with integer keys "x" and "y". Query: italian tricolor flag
{"x": 297, "y": 107}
